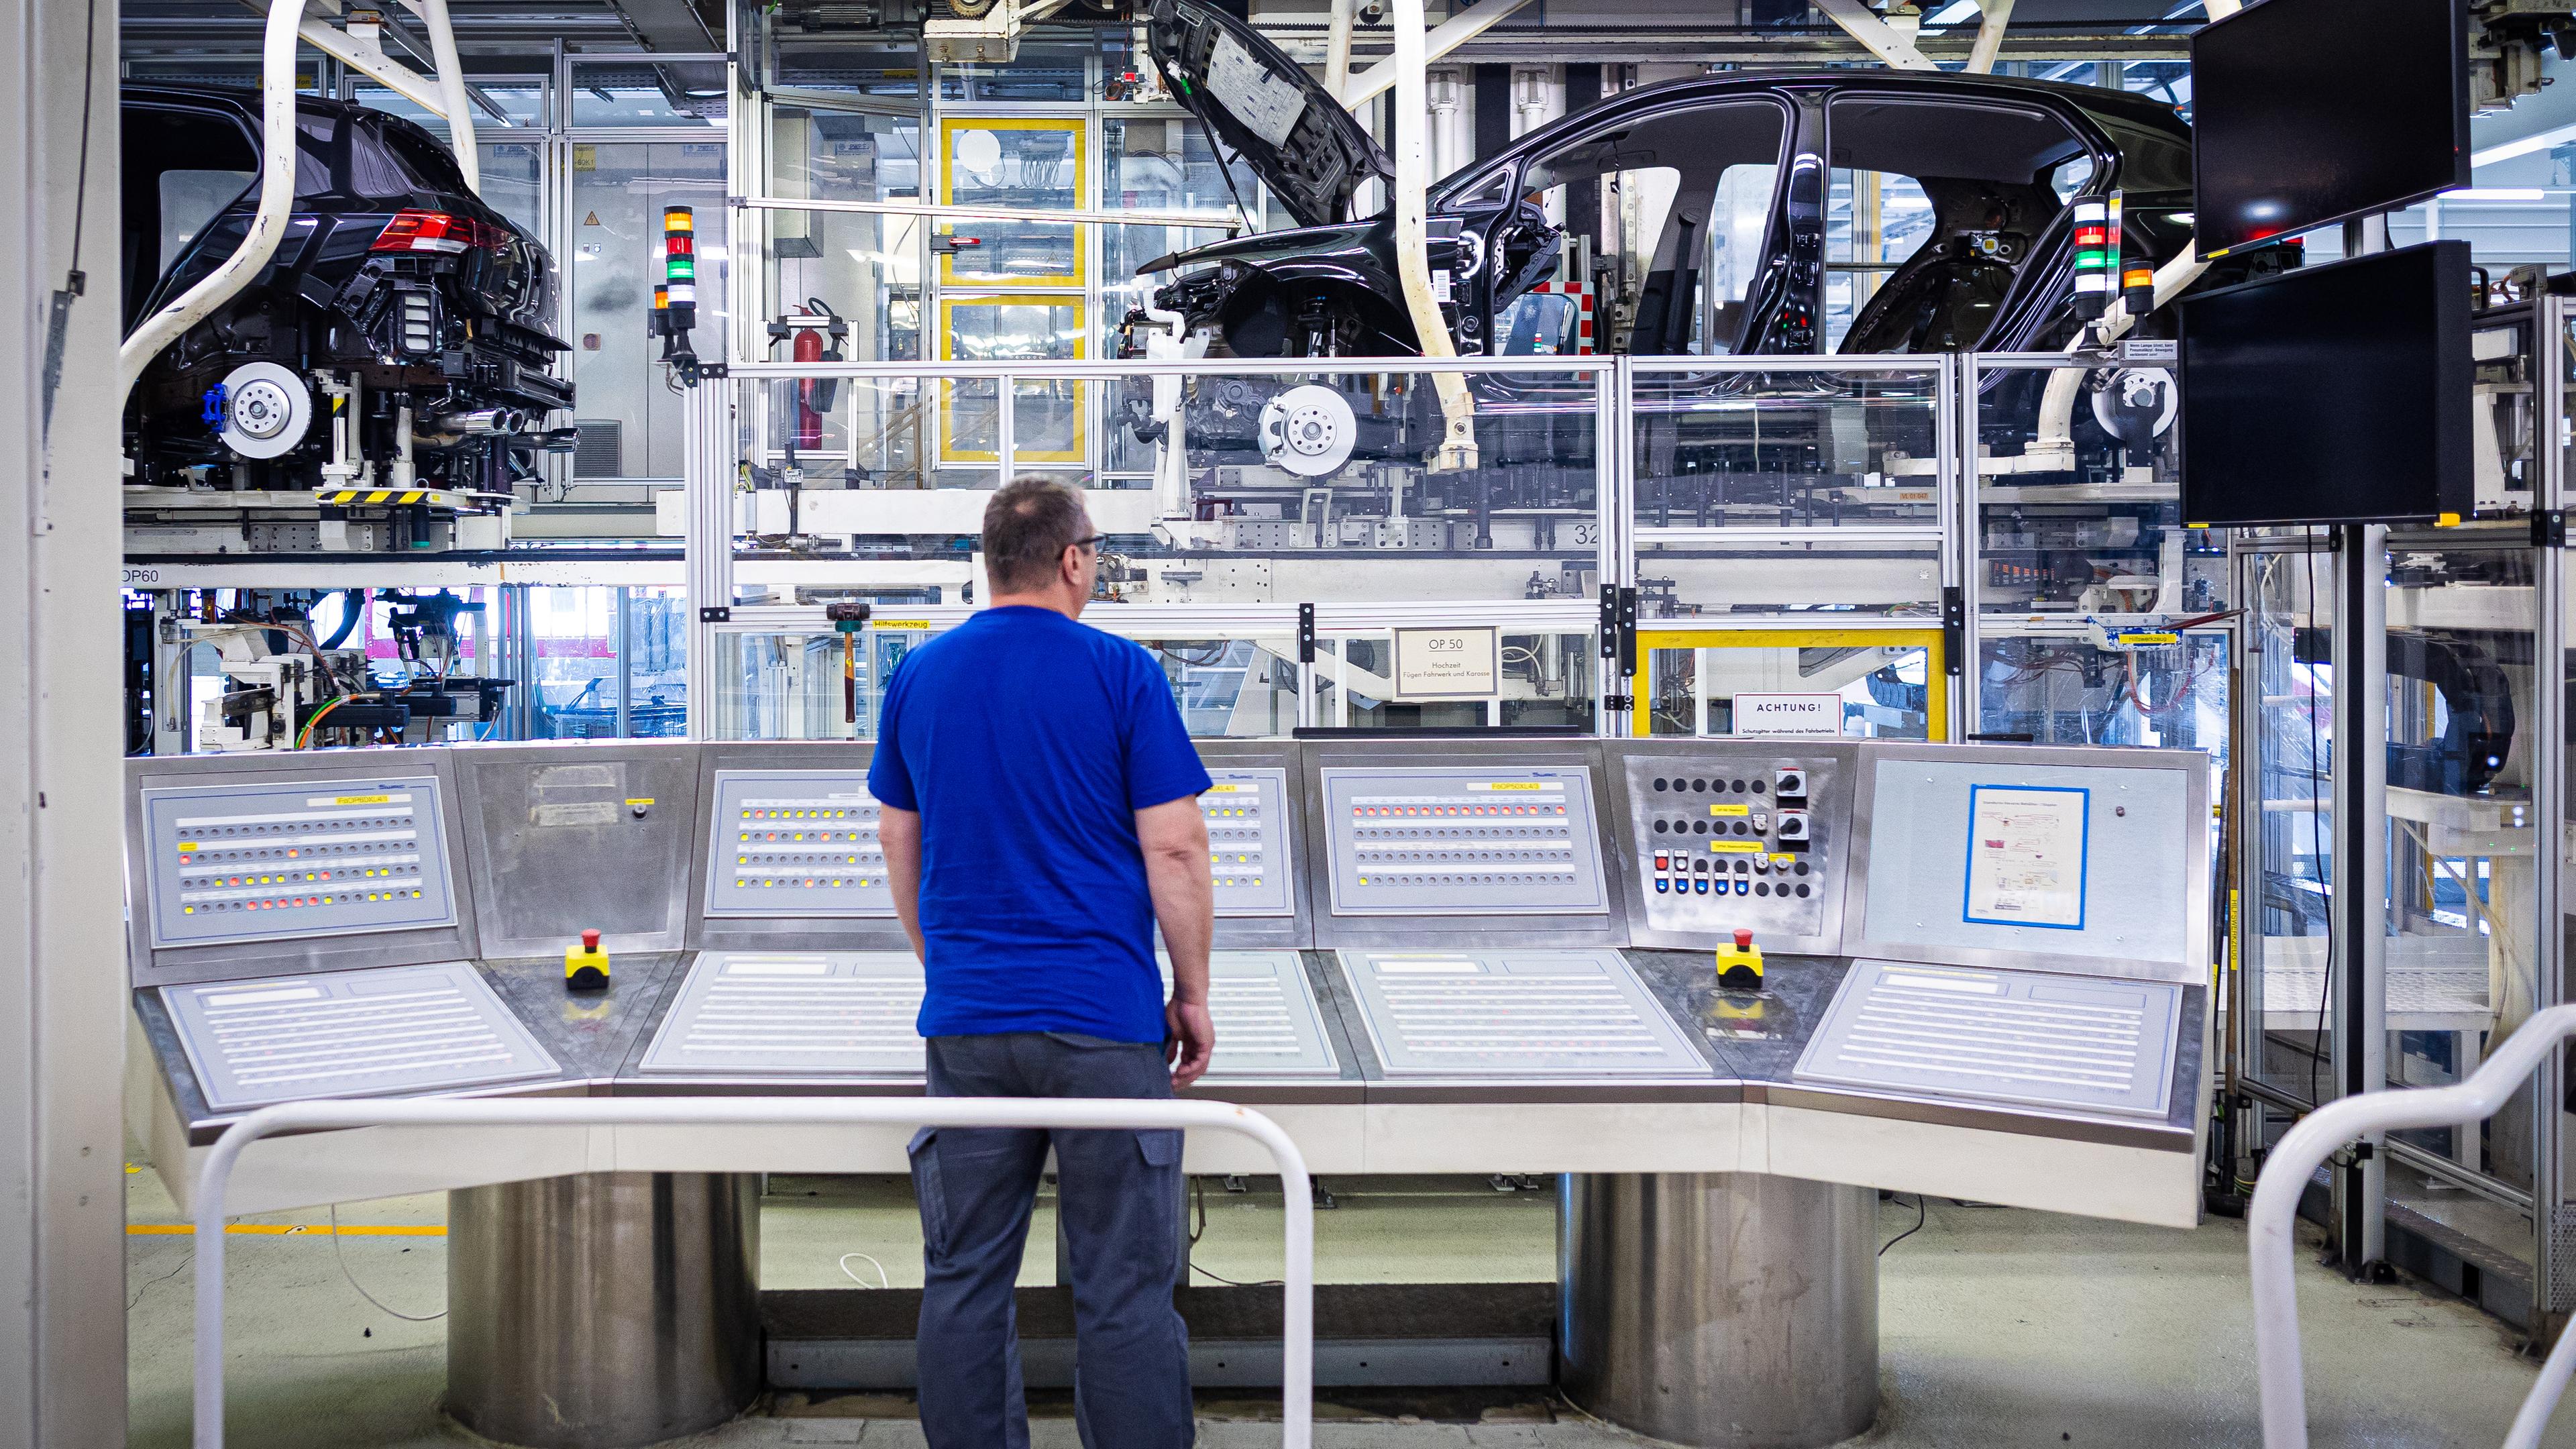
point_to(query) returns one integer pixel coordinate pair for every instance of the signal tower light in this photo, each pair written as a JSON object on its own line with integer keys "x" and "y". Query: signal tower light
{"x": 2097, "y": 255}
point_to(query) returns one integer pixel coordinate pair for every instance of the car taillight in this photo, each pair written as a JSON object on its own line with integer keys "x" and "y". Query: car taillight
{"x": 436, "y": 231}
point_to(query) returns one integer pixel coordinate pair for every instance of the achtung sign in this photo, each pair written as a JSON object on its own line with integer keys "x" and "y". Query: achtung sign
{"x": 1448, "y": 663}
{"x": 1809, "y": 716}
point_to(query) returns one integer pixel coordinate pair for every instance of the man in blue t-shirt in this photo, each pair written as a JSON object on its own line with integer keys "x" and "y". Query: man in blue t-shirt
{"x": 1041, "y": 815}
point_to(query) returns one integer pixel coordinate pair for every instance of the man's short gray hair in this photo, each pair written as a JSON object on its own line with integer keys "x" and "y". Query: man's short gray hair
{"x": 1027, "y": 527}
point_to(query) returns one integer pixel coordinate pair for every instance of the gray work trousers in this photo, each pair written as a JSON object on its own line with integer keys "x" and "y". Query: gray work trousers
{"x": 976, "y": 1187}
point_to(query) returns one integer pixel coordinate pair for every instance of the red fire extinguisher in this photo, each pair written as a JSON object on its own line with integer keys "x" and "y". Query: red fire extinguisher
{"x": 809, "y": 422}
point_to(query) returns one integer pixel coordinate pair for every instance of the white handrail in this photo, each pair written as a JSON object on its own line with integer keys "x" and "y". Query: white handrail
{"x": 2271, "y": 1221}
{"x": 1297, "y": 1365}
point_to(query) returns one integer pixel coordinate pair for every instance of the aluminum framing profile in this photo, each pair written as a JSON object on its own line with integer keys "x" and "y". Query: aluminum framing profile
{"x": 707, "y": 473}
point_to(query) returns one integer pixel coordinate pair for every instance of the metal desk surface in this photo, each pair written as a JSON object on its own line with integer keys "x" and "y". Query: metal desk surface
{"x": 1744, "y": 1111}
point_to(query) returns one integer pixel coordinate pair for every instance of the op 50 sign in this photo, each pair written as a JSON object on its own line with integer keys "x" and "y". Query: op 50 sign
{"x": 1448, "y": 663}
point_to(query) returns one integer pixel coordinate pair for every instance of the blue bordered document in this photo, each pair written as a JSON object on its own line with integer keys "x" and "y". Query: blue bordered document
{"x": 2026, "y": 856}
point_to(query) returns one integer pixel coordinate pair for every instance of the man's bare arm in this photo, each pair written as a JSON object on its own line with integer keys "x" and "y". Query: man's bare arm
{"x": 1174, "y": 837}
{"x": 899, "y": 834}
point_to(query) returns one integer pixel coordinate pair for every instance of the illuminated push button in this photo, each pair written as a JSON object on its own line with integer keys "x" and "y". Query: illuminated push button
{"x": 1700, "y": 886}
{"x": 1663, "y": 885}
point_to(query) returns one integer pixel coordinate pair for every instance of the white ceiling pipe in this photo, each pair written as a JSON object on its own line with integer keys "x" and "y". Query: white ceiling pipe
{"x": 1990, "y": 36}
{"x": 267, "y": 224}
{"x": 1413, "y": 232}
{"x": 1337, "y": 46}
{"x": 451, "y": 85}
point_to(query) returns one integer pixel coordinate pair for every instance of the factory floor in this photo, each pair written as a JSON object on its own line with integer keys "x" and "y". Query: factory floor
{"x": 1998, "y": 1328}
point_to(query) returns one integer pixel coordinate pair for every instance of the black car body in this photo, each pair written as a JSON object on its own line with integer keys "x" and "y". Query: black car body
{"x": 1745, "y": 260}
{"x": 392, "y": 279}
{"x": 1993, "y": 156}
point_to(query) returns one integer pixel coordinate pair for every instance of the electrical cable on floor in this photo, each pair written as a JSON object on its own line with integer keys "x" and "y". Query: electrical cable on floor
{"x": 1909, "y": 1232}
{"x": 2316, "y": 806}
{"x": 341, "y": 1254}
{"x": 1198, "y": 1195}
{"x": 883, "y": 1281}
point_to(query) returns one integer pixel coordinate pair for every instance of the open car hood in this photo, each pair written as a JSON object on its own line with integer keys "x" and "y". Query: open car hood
{"x": 1263, "y": 107}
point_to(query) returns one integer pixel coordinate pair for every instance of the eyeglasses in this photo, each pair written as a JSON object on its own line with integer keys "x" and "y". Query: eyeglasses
{"x": 1091, "y": 542}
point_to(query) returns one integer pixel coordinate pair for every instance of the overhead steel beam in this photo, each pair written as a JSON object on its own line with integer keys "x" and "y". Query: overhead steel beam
{"x": 1451, "y": 33}
{"x": 1882, "y": 39}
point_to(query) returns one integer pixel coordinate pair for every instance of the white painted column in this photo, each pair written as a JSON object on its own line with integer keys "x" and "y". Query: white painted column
{"x": 62, "y": 975}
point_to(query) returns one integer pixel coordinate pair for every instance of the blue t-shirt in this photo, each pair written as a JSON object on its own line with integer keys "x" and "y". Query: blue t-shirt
{"x": 1028, "y": 741}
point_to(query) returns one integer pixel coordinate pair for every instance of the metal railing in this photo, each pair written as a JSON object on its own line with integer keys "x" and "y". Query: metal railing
{"x": 2271, "y": 1222}
{"x": 1297, "y": 1367}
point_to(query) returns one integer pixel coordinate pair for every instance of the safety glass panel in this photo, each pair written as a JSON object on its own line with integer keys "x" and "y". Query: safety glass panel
{"x": 641, "y": 93}
{"x": 1543, "y": 680}
{"x": 2079, "y": 509}
{"x": 2165, "y": 692}
{"x": 1231, "y": 688}
{"x": 1047, "y": 416}
{"x": 1328, "y": 481}
{"x": 1158, "y": 164}
{"x": 627, "y": 409}
{"x": 2462, "y": 886}
{"x": 844, "y": 285}
{"x": 2286, "y": 974}
{"x": 1795, "y": 490}
{"x": 1831, "y": 687}
{"x": 1020, "y": 163}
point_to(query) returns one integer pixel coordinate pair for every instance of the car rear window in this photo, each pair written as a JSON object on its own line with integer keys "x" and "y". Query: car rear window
{"x": 431, "y": 166}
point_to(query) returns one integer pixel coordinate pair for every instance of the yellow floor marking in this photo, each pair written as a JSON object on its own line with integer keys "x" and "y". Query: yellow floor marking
{"x": 289, "y": 1230}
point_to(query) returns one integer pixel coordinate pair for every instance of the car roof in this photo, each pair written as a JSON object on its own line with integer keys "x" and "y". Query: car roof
{"x": 2122, "y": 113}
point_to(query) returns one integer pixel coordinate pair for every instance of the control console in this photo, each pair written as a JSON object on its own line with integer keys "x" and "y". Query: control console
{"x": 1726, "y": 837}
{"x": 796, "y": 843}
{"x": 277, "y": 861}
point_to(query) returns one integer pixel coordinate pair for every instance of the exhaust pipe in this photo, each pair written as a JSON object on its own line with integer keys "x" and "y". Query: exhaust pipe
{"x": 479, "y": 421}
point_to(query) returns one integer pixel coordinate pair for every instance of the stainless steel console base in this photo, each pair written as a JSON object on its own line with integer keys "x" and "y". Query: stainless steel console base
{"x": 1731, "y": 1308}
{"x": 603, "y": 1311}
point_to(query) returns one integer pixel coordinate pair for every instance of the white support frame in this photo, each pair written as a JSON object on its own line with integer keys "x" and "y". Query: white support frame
{"x": 1297, "y": 1364}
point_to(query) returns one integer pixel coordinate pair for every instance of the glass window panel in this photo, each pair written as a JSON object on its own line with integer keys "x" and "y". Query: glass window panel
{"x": 864, "y": 269}
{"x": 629, "y": 417}
{"x": 657, "y": 663}
{"x": 512, "y": 184}
{"x": 574, "y": 691}
{"x": 1029, "y": 164}
{"x": 1874, "y": 222}
{"x": 1231, "y": 688}
{"x": 1157, "y": 164}
{"x": 520, "y": 100}
{"x": 1548, "y": 680}
{"x": 2462, "y": 887}
{"x": 2055, "y": 690}
{"x": 2088, "y": 522}
{"x": 1044, "y": 70}
{"x": 843, "y": 432}
{"x": 1765, "y": 491}
{"x": 2293, "y": 833}
{"x": 648, "y": 93}
{"x": 1047, "y": 417}
{"x": 865, "y": 66}
{"x": 1351, "y": 498}
{"x": 1888, "y": 690}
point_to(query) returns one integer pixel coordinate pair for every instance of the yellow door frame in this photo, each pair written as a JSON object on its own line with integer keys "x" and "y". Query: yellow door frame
{"x": 1936, "y": 696}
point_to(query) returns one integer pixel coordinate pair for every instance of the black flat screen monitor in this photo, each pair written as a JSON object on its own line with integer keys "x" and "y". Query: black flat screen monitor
{"x": 2306, "y": 112}
{"x": 2331, "y": 394}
